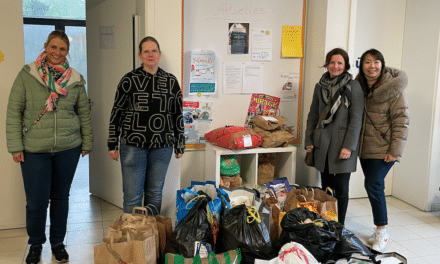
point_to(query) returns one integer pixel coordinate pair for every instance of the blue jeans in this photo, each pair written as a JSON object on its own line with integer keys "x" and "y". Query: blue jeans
{"x": 48, "y": 177}
{"x": 375, "y": 171}
{"x": 143, "y": 172}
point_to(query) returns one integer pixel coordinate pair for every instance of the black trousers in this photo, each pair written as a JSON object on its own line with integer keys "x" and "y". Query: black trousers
{"x": 340, "y": 185}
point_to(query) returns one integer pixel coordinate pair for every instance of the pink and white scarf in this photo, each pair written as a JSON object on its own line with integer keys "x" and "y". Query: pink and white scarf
{"x": 55, "y": 77}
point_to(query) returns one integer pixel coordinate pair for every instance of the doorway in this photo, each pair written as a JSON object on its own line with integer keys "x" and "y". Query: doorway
{"x": 39, "y": 19}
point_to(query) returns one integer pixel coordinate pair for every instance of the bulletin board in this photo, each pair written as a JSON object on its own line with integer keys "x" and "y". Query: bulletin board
{"x": 206, "y": 27}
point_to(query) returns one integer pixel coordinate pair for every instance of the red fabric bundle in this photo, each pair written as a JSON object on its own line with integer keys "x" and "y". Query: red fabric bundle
{"x": 234, "y": 137}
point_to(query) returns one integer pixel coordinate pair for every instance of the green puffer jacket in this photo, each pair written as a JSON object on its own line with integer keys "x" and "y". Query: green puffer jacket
{"x": 65, "y": 128}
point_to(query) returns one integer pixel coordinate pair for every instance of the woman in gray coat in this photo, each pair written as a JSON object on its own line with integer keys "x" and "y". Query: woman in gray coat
{"x": 333, "y": 126}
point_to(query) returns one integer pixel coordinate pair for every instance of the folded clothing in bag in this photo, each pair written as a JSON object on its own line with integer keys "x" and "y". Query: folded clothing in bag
{"x": 234, "y": 137}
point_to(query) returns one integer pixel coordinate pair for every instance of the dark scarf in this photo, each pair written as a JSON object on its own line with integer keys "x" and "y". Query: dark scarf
{"x": 334, "y": 91}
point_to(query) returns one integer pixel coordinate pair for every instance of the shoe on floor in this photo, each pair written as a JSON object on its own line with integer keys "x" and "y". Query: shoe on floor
{"x": 34, "y": 254}
{"x": 381, "y": 241}
{"x": 60, "y": 253}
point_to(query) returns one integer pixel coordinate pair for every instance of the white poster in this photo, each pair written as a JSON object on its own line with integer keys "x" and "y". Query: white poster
{"x": 253, "y": 77}
{"x": 289, "y": 85}
{"x": 202, "y": 77}
{"x": 262, "y": 45}
{"x": 232, "y": 77}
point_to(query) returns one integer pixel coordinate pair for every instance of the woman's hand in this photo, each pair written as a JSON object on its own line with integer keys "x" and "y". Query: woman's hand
{"x": 85, "y": 153}
{"x": 17, "y": 157}
{"x": 179, "y": 155}
{"x": 389, "y": 158}
{"x": 345, "y": 153}
{"x": 309, "y": 148}
{"x": 114, "y": 154}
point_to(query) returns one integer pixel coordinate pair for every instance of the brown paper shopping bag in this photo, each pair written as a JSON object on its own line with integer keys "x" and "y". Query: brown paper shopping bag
{"x": 327, "y": 204}
{"x": 274, "y": 231}
{"x": 138, "y": 219}
{"x": 123, "y": 247}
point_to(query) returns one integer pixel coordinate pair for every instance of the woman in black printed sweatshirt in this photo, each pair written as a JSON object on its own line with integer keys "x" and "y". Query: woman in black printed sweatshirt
{"x": 146, "y": 123}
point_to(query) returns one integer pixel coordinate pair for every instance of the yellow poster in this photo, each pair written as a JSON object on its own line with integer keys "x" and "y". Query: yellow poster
{"x": 292, "y": 41}
{"x": 2, "y": 56}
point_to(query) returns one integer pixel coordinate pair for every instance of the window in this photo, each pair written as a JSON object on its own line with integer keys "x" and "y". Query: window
{"x": 55, "y": 9}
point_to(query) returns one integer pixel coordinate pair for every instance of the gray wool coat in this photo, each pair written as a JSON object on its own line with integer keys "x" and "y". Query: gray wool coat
{"x": 342, "y": 132}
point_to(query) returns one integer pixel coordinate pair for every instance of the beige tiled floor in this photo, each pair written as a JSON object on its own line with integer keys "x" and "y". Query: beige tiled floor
{"x": 413, "y": 233}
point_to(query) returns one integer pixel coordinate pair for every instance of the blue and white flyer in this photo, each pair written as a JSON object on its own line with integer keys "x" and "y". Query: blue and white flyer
{"x": 202, "y": 77}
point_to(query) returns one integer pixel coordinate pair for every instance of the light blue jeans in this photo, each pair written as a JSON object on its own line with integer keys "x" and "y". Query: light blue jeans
{"x": 143, "y": 173}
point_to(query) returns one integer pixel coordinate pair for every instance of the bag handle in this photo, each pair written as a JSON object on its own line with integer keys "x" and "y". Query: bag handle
{"x": 329, "y": 190}
{"x": 253, "y": 215}
{"x": 139, "y": 211}
{"x": 300, "y": 195}
{"x": 115, "y": 254}
{"x": 150, "y": 207}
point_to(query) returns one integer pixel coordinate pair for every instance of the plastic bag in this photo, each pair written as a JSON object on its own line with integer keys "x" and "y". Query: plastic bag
{"x": 318, "y": 237}
{"x": 325, "y": 240}
{"x": 262, "y": 208}
{"x": 229, "y": 165}
{"x": 185, "y": 198}
{"x": 234, "y": 137}
{"x": 229, "y": 257}
{"x": 243, "y": 228}
{"x": 194, "y": 227}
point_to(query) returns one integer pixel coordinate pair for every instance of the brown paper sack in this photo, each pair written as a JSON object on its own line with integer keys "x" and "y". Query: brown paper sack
{"x": 135, "y": 246}
{"x": 275, "y": 219}
{"x": 266, "y": 167}
{"x": 269, "y": 122}
{"x": 232, "y": 181}
{"x": 277, "y": 138}
{"x": 136, "y": 220}
{"x": 260, "y": 131}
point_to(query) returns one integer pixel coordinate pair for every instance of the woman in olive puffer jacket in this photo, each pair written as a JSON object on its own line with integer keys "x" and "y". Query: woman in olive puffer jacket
{"x": 48, "y": 128}
{"x": 384, "y": 133}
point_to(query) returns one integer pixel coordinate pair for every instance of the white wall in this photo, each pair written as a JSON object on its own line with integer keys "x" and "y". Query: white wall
{"x": 380, "y": 25}
{"x": 12, "y": 46}
{"x": 417, "y": 178}
{"x": 314, "y": 56}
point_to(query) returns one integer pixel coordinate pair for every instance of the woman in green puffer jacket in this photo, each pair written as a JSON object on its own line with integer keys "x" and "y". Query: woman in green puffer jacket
{"x": 48, "y": 127}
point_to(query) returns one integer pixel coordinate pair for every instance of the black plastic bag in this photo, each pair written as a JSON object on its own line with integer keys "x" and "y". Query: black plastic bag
{"x": 194, "y": 227}
{"x": 239, "y": 229}
{"x": 318, "y": 237}
{"x": 325, "y": 240}
{"x": 348, "y": 244}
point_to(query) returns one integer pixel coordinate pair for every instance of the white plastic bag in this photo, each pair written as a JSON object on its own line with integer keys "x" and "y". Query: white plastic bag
{"x": 291, "y": 253}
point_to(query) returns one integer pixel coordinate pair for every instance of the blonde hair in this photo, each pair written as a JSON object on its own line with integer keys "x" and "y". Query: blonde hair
{"x": 58, "y": 34}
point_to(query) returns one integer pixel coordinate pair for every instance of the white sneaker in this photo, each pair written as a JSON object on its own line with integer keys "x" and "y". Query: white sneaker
{"x": 381, "y": 241}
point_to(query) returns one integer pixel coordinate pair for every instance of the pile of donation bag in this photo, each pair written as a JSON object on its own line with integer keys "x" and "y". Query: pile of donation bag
{"x": 273, "y": 223}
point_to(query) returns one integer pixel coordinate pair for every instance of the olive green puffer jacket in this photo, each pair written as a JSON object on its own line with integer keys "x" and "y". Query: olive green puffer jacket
{"x": 67, "y": 127}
